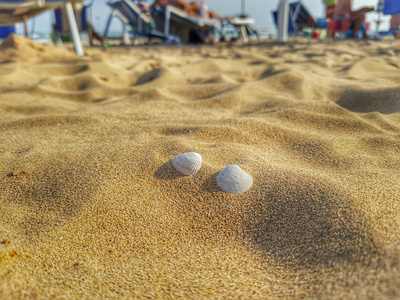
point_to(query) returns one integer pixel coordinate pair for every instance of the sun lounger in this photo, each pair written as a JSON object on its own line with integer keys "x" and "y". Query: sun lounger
{"x": 129, "y": 13}
{"x": 61, "y": 30}
{"x": 172, "y": 20}
{"x": 299, "y": 18}
{"x": 244, "y": 27}
{"x": 16, "y": 11}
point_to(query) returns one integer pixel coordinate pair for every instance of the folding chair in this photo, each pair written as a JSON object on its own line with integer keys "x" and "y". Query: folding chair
{"x": 131, "y": 14}
{"x": 172, "y": 20}
{"x": 18, "y": 11}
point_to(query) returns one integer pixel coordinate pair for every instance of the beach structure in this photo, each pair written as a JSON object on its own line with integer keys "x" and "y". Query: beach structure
{"x": 131, "y": 14}
{"x": 16, "y": 11}
{"x": 165, "y": 22}
{"x": 172, "y": 20}
{"x": 292, "y": 18}
{"x": 244, "y": 27}
{"x": 189, "y": 29}
{"x": 243, "y": 24}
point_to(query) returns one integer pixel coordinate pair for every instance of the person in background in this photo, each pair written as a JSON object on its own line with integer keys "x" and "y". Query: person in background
{"x": 330, "y": 8}
{"x": 144, "y": 8}
{"x": 395, "y": 24}
{"x": 344, "y": 12}
{"x": 142, "y": 5}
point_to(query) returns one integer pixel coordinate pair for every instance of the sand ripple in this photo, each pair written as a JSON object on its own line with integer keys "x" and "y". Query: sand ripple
{"x": 91, "y": 206}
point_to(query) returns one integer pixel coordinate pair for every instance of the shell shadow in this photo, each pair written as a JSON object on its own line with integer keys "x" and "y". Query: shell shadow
{"x": 148, "y": 77}
{"x": 210, "y": 184}
{"x": 167, "y": 172}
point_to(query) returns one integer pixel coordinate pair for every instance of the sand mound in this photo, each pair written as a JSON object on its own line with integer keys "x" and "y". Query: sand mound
{"x": 20, "y": 43}
{"x": 91, "y": 206}
{"x": 18, "y": 48}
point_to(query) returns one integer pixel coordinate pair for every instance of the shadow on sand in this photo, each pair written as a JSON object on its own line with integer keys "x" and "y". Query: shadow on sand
{"x": 306, "y": 221}
{"x": 167, "y": 172}
{"x": 386, "y": 101}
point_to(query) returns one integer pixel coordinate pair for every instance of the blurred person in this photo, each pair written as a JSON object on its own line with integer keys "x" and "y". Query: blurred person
{"x": 344, "y": 12}
{"x": 395, "y": 24}
{"x": 330, "y": 8}
{"x": 142, "y": 5}
{"x": 144, "y": 8}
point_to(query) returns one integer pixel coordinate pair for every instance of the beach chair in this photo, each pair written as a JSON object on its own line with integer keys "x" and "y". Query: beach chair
{"x": 299, "y": 19}
{"x": 61, "y": 30}
{"x": 172, "y": 20}
{"x": 131, "y": 14}
{"x": 244, "y": 28}
{"x": 16, "y": 11}
{"x": 387, "y": 7}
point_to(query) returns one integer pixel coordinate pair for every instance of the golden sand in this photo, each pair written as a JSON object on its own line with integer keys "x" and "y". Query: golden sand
{"x": 91, "y": 207}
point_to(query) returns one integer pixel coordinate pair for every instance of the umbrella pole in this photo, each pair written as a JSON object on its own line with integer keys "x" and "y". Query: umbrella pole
{"x": 74, "y": 29}
{"x": 283, "y": 19}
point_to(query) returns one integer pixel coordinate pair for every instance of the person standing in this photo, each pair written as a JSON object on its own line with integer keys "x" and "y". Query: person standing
{"x": 330, "y": 8}
{"x": 395, "y": 25}
{"x": 344, "y": 12}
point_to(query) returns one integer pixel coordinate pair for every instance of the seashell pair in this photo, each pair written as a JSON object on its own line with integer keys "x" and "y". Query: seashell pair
{"x": 232, "y": 179}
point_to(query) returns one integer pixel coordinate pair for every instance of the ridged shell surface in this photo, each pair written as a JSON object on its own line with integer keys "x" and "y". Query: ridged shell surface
{"x": 187, "y": 163}
{"x": 234, "y": 180}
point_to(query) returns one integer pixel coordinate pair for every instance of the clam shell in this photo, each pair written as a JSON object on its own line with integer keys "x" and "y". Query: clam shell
{"x": 187, "y": 163}
{"x": 234, "y": 180}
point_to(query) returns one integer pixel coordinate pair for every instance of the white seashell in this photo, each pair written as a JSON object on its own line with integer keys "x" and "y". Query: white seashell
{"x": 187, "y": 163}
{"x": 234, "y": 180}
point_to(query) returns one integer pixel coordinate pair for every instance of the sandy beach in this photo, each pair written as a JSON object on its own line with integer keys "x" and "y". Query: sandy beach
{"x": 92, "y": 208}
